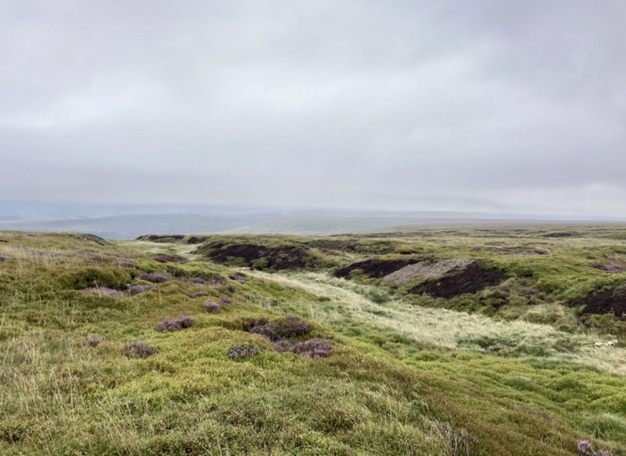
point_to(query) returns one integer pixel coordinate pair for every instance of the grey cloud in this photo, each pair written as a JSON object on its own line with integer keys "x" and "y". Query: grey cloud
{"x": 451, "y": 105}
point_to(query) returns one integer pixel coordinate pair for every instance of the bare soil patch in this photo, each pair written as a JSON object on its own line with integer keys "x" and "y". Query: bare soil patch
{"x": 287, "y": 257}
{"x": 426, "y": 271}
{"x": 472, "y": 279}
{"x": 606, "y": 302}
{"x": 611, "y": 268}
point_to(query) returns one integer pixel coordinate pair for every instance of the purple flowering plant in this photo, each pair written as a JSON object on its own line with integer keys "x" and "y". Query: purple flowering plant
{"x": 196, "y": 280}
{"x": 126, "y": 264}
{"x": 93, "y": 341}
{"x": 284, "y": 336}
{"x": 139, "y": 350}
{"x": 181, "y": 322}
{"x": 243, "y": 351}
{"x": 314, "y": 348}
{"x": 155, "y": 277}
{"x": 585, "y": 448}
{"x": 136, "y": 289}
{"x": 212, "y": 307}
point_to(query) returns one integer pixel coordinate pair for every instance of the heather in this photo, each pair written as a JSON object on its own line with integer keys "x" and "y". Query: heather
{"x": 139, "y": 350}
{"x": 126, "y": 264}
{"x": 300, "y": 362}
{"x": 243, "y": 351}
{"x": 181, "y": 322}
{"x": 155, "y": 277}
{"x": 291, "y": 327}
{"x": 212, "y": 307}
{"x": 315, "y": 348}
{"x": 93, "y": 341}
{"x": 136, "y": 289}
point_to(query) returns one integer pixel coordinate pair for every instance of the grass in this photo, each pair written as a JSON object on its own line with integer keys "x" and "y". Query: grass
{"x": 350, "y": 304}
{"x": 402, "y": 378}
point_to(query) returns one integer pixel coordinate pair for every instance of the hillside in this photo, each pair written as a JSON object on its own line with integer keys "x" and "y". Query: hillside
{"x": 440, "y": 342}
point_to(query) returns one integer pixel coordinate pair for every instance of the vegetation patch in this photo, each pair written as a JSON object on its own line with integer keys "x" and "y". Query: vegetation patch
{"x": 375, "y": 268}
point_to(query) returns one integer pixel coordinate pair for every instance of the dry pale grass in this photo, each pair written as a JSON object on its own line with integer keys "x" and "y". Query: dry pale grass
{"x": 156, "y": 248}
{"x": 443, "y": 329}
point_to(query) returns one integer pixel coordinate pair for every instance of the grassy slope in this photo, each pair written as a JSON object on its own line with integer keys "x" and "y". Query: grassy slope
{"x": 388, "y": 388}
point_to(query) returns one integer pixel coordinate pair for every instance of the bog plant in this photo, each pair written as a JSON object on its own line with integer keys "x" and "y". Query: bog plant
{"x": 314, "y": 348}
{"x": 246, "y": 350}
{"x": 212, "y": 307}
{"x": 291, "y": 328}
{"x": 139, "y": 350}
{"x": 585, "y": 448}
{"x": 284, "y": 336}
{"x": 181, "y": 322}
{"x": 137, "y": 289}
{"x": 93, "y": 341}
{"x": 155, "y": 277}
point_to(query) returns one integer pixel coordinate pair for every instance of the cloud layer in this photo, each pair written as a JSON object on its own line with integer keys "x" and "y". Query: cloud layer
{"x": 487, "y": 105}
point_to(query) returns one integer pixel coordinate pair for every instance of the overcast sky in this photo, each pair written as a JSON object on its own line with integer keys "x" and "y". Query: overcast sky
{"x": 482, "y": 105}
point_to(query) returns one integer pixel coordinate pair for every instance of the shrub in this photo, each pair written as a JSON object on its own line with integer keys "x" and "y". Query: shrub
{"x": 224, "y": 300}
{"x": 136, "y": 289}
{"x": 270, "y": 331}
{"x": 162, "y": 258}
{"x": 217, "y": 280}
{"x": 155, "y": 277}
{"x": 315, "y": 348}
{"x": 243, "y": 351}
{"x": 585, "y": 448}
{"x": 168, "y": 325}
{"x": 93, "y": 341}
{"x": 292, "y": 328}
{"x": 139, "y": 350}
{"x": 212, "y": 307}
{"x": 181, "y": 322}
{"x": 126, "y": 264}
{"x": 196, "y": 280}
{"x": 185, "y": 321}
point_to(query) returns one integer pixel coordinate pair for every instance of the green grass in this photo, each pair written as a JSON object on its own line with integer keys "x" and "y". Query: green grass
{"x": 402, "y": 378}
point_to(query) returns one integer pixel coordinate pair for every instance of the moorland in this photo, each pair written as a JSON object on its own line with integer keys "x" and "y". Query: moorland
{"x": 504, "y": 340}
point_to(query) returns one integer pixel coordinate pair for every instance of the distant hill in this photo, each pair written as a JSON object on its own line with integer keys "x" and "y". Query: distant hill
{"x": 131, "y": 226}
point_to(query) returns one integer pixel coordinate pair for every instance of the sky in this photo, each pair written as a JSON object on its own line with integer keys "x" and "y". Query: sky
{"x": 452, "y": 105}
